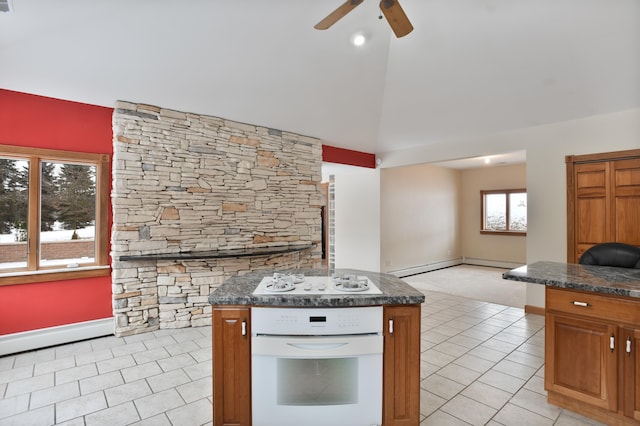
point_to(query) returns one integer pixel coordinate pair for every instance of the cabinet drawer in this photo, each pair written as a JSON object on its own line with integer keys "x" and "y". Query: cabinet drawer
{"x": 614, "y": 308}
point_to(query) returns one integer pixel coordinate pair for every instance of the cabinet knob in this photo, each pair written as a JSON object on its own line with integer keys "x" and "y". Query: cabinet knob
{"x": 244, "y": 327}
{"x": 628, "y": 346}
{"x": 390, "y": 325}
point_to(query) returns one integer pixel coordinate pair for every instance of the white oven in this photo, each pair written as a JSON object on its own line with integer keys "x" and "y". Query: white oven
{"x": 316, "y": 366}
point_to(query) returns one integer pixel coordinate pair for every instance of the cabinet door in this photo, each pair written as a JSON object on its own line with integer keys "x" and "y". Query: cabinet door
{"x": 626, "y": 201}
{"x": 631, "y": 362}
{"x": 401, "y": 382}
{"x": 603, "y": 200}
{"x": 592, "y": 205}
{"x": 580, "y": 360}
{"x": 231, "y": 367}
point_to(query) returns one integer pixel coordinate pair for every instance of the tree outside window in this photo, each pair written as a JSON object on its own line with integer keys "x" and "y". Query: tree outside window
{"x": 52, "y": 212}
{"x": 504, "y": 212}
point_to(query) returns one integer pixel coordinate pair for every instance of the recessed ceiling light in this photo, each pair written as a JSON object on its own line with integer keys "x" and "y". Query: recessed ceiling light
{"x": 487, "y": 160}
{"x": 358, "y": 39}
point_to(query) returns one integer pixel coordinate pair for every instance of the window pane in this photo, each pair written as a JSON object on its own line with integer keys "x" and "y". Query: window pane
{"x": 67, "y": 211}
{"x": 518, "y": 211}
{"x": 495, "y": 211}
{"x": 14, "y": 207}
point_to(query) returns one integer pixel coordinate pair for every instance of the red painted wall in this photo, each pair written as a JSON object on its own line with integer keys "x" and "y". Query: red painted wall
{"x": 40, "y": 122}
{"x": 332, "y": 154}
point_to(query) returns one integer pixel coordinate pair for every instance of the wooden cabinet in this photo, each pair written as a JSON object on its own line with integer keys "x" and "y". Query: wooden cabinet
{"x": 603, "y": 200}
{"x": 231, "y": 366}
{"x": 631, "y": 372}
{"x": 401, "y": 376}
{"x": 587, "y": 374}
{"x": 591, "y": 362}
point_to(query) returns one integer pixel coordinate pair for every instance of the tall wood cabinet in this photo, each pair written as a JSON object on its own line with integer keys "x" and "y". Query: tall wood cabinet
{"x": 401, "y": 375}
{"x": 592, "y": 362}
{"x": 231, "y": 366}
{"x": 603, "y": 200}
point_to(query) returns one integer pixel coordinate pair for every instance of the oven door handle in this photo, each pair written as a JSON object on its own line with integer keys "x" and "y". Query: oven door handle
{"x": 317, "y": 346}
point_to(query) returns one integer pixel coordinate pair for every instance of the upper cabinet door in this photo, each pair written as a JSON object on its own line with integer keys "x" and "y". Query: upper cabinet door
{"x": 626, "y": 201}
{"x": 603, "y": 200}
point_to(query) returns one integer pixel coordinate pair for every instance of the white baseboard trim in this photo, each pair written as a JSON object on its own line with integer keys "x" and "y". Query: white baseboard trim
{"x": 425, "y": 268}
{"x": 44, "y": 337}
{"x": 491, "y": 263}
{"x": 454, "y": 262}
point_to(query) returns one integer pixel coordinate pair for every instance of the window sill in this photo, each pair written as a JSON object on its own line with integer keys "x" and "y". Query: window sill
{"x": 510, "y": 233}
{"x": 26, "y": 277}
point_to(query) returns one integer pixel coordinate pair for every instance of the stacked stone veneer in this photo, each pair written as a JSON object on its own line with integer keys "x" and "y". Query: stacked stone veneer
{"x": 188, "y": 182}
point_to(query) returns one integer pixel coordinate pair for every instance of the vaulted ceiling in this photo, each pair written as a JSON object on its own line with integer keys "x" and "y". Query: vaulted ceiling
{"x": 469, "y": 68}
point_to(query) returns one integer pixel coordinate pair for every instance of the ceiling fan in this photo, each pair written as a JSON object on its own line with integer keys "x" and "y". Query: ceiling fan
{"x": 390, "y": 8}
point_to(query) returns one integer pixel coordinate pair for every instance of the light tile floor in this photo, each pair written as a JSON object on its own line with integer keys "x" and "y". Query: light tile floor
{"x": 482, "y": 363}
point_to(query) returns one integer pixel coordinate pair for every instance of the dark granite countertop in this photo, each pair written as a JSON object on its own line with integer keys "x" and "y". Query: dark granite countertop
{"x": 219, "y": 254}
{"x": 238, "y": 291}
{"x": 596, "y": 279}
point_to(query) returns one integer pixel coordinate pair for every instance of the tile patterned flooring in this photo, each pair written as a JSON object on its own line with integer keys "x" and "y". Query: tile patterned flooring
{"x": 482, "y": 364}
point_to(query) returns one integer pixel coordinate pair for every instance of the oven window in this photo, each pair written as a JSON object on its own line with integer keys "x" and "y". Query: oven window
{"x": 332, "y": 381}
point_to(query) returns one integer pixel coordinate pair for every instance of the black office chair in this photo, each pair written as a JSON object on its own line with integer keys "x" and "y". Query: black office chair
{"x": 612, "y": 254}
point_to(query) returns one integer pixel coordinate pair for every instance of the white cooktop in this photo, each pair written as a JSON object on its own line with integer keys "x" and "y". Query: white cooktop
{"x": 316, "y": 285}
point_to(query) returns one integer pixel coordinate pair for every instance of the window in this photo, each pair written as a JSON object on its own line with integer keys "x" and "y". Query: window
{"x": 504, "y": 212}
{"x": 53, "y": 215}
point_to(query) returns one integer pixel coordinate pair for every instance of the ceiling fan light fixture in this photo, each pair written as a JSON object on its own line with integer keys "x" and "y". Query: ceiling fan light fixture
{"x": 391, "y": 10}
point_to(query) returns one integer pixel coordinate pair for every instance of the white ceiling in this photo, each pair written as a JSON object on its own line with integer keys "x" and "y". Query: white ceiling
{"x": 470, "y": 67}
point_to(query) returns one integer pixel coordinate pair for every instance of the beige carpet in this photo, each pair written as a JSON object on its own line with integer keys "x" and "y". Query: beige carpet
{"x": 474, "y": 282}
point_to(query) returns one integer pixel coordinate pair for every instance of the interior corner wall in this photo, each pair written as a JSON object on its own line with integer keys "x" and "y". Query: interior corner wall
{"x": 357, "y": 218}
{"x": 546, "y": 147}
{"x": 420, "y": 216}
{"x": 40, "y": 122}
{"x": 508, "y": 249}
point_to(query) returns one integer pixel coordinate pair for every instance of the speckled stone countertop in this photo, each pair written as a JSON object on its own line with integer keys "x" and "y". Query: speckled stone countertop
{"x": 597, "y": 279}
{"x": 238, "y": 291}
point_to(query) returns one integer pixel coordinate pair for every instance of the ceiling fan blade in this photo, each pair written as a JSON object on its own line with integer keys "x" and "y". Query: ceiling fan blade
{"x": 396, "y": 17}
{"x": 337, "y": 14}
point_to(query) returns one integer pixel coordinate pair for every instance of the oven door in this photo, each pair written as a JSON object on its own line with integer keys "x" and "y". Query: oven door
{"x": 316, "y": 380}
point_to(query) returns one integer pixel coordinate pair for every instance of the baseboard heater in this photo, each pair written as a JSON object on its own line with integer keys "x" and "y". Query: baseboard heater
{"x": 426, "y": 268}
{"x": 51, "y": 336}
{"x": 400, "y": 273}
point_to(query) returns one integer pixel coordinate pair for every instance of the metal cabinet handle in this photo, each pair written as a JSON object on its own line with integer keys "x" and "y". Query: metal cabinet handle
{"x": 583, "y": 304}
{"x": 628, "y": 346}
{"x": 390, "y": 325}
{"x": 612, "y": 342}
{"x": 244, "y": 327}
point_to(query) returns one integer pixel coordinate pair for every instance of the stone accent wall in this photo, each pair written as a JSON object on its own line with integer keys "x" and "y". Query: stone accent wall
{"x": 188, "y": 182}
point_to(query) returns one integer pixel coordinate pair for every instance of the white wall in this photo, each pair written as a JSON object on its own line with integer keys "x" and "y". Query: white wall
{"x": 546, "y": 147}
{"x": 506, "y": 249}
{"x": 420, "y": 216}
{"x": 357, "y": 218}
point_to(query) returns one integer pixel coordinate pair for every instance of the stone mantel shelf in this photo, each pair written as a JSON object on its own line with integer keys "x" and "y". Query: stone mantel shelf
{"x": 219, "y": 254}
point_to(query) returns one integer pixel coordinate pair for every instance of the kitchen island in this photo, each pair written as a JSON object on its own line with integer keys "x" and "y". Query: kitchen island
{"x": 399, "y": 329}
{"x": 592, "y": 333}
